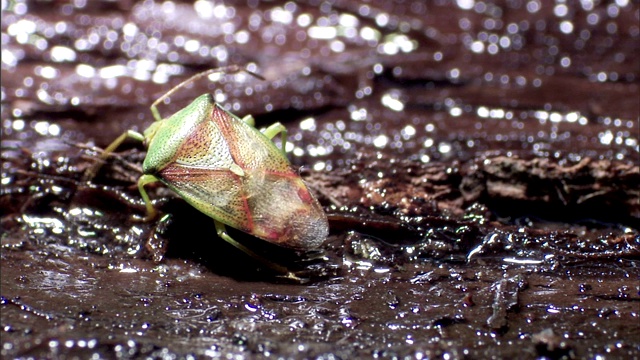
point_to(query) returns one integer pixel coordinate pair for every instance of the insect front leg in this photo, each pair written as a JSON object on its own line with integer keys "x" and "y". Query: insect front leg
{"x": 91, "y": 172}
{"x": 142, "y": 181}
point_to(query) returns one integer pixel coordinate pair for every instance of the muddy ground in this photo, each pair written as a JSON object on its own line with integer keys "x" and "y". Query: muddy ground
{"x": 477, "y": 161}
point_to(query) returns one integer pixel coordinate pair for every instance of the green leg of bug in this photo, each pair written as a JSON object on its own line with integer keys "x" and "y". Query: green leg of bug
{"x": 91, "y": 173}
{"x": 249, "y": 120}
{"x": 271, "y": 131}
{"x": 222, "y": 233}
{"x": 144, "y": 180}
{"x": 275, "y": 129}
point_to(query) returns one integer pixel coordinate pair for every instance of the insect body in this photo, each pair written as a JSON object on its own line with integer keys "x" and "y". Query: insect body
{"x": 226, "y": 168}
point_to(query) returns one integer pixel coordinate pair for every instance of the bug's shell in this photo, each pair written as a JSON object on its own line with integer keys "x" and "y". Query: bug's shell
{"x": 233, "y": 173}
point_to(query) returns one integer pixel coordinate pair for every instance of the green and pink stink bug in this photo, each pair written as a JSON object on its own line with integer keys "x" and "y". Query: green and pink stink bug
{"x": 229, "y": 170}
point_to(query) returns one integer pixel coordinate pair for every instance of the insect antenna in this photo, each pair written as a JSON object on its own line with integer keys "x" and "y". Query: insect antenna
{"x": 232, "y": 69}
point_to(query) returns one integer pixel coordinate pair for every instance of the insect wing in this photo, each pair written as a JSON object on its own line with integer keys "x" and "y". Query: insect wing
{"x": 201, "y": 173}
{"x": 281, "y": 208}
{"x": 284, "y": 212}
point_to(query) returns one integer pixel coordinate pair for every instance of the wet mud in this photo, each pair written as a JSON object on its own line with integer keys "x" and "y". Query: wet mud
{"x": 478, "y": 164}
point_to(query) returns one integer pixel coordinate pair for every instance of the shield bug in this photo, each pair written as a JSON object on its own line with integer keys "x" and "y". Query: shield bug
{"x": 229, "y": 170}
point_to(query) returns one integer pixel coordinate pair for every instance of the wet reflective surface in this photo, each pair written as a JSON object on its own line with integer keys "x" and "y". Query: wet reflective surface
{"x": 478, "y": 163}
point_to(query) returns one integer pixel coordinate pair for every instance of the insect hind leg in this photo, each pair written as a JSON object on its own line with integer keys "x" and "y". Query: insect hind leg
{"x": 249, "y": 120}
{"x": 273, "y": 130}
{"x": 221, "y": 230}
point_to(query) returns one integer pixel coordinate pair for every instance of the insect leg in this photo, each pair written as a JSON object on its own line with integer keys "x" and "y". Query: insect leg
{"x": 144, "y": 180}
{"x": 271, "y": 132}
{"x": 222, "y": 232}
{"x": 249, "y": 120}
{"x": 92, "y": 171}
{"x": 275, "y": 129}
